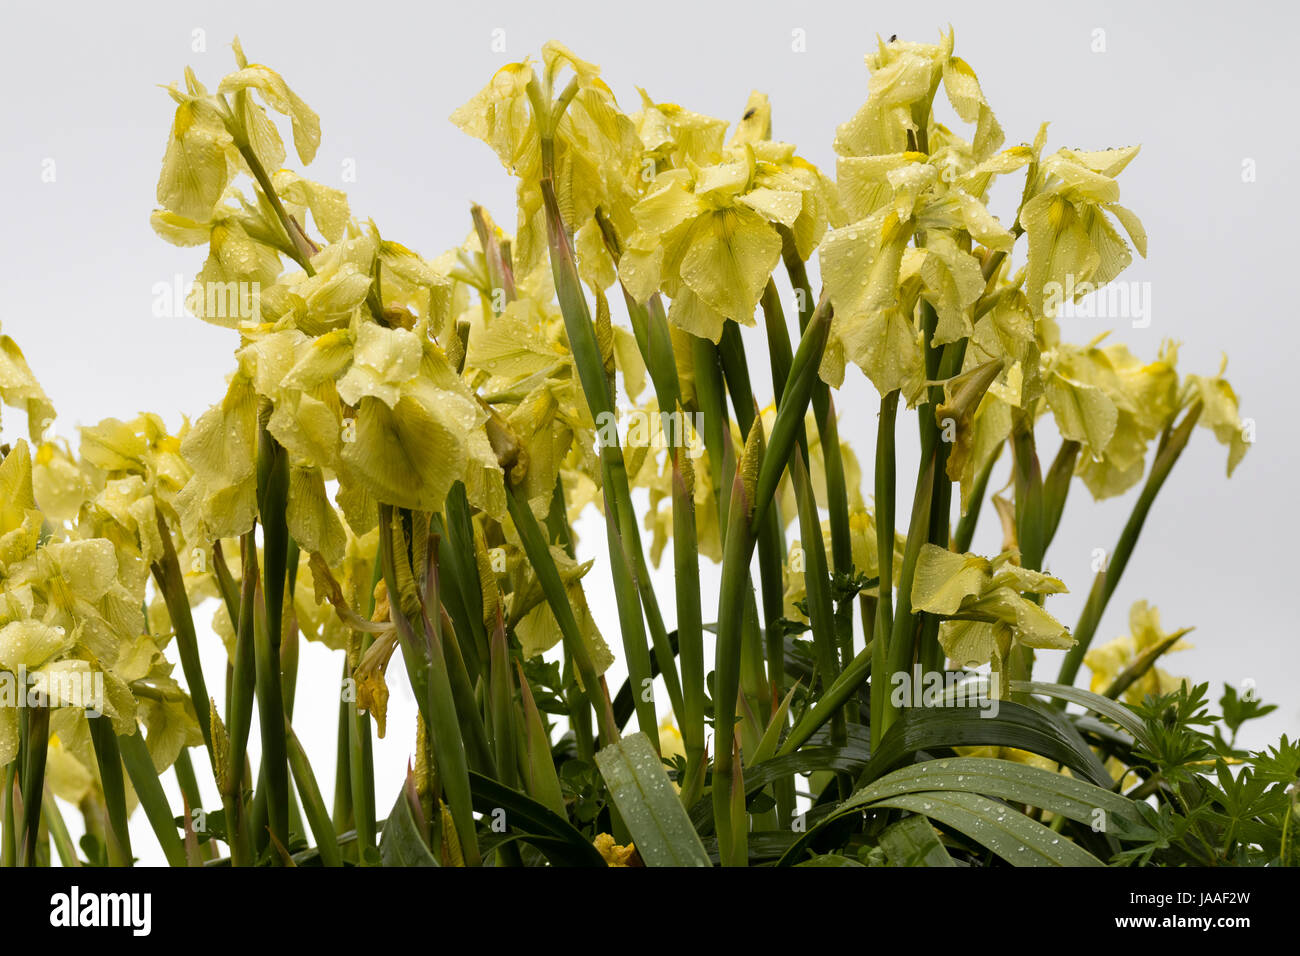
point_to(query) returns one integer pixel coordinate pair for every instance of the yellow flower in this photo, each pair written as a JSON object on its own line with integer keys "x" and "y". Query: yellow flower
{"x": 19, "y": 388}
{"x": 1073, "y": 246}
{"x": 670, "y": 740}
{"x": 1113, "y": 404}
{"x": 614, "y": 854}
{"x": 1219, "y": 413}
{"x": 901, "y": 174}
{"x": 709, "y": 232}
{"x": 596, "y": 150}
{"x": 1108, "y": 661}
{"x": 985, "y": 606}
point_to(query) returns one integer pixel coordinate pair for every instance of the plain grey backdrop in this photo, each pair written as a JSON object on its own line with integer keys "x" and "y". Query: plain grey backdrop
{"x": 1208, "y": 90}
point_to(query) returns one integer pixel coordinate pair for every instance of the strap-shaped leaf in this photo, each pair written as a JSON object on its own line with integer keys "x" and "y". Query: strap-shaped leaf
{"x": 139, "y": 767}
{"x": 1069, "y": 797}
{"x": 557, "y": 838}
{"x": 1008, "y": 833}
{"x": 660, "y": 828}
{"x": 1110, "y": 709}
{"x": 830, "y": 859}
{"x": 850, "y": 759}
{"x": 1015, "y": 725}
{"x": 913, "y": 842}
{"x": 401, "y": 843}
{"x": 1074, "y": 799}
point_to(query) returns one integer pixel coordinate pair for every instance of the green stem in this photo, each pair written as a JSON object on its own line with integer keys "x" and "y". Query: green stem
{"x": 539, "y": 557}
{"x": 171, "y": 582}
{"x": 821, "y": 614}
{"x": 690, "y": 627}
{"x": 109, "y": 759}
{"x": 189, "y": 784}
{"x": 343, "y": 764}
{"x": 837, "y": 500}
{"x": 902, "y": 639}
{"x": 771, "y": 541}
{"x": 313, "y": 805}
{"x": 502, "y": 702}
{"x": 239, "y": 713}
{"x": 746, "y": 516}
{"x": 737, "y": 550}
{"x": 9, "y": 847}
{"x": 886, "y": 481}
{"x": 1031, "y": 529}
{"x": 273, "y": 488}
{"x": 711, "y": 403}
{"x": 831, "y": 701}
{"x": 1171, "y": 447}
{"x": 139, "y": 767}
{"x": 426, "y": 667}
{"x": 1056, "y": 487}
{"x": 965, "y": 533}
{"x": 54, "y": 822}
{"x": 38, "y": 740}
{"x": 299, "y": 247}
{"x": 600, "y": 400}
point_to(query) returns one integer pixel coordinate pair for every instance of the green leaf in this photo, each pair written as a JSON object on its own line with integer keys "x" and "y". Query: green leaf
{"x": 989, "y": 777}
{"x": 771, "y": 737}
{"x": 830, "y": 859}
{"x": 139, "y": 767}
{"x": 812, "y": 759}
{"x": 1011, "y": 835}
{"x": 318, "y": 818}
{"x": 1102, "y": 706}
{"x": 1005, "y": 779}
{"x": 401, "y": 843}
{"x": 1015, "y": 725}
{"x": 913, "y": 842}
{"x": 559, "y": 841}
{"x": 654, "y": 815}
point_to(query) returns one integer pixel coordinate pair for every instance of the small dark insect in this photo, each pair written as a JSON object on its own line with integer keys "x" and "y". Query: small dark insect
{"x": 749, "y": 113}
{"x": 893, "y": 37}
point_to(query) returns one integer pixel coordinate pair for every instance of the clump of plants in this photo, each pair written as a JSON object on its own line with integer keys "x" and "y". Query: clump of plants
{"x": 405, "y": 443}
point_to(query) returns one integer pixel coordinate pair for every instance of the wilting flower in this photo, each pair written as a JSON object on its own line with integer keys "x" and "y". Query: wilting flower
{"x": 615, "y": 854}
{"x": 531, "y": 616}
